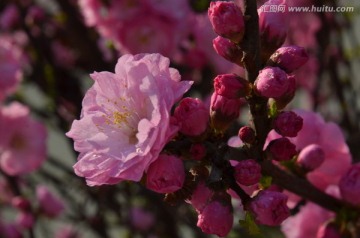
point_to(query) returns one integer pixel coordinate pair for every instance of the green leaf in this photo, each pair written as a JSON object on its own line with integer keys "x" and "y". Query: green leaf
{"x": 273, "y": 111}
{"x": 265, "y": 182}
{"x": 249, "y": 224}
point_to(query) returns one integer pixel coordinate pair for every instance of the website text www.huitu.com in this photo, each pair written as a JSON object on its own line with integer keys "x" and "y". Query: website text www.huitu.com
{"x": 324, "y": 8}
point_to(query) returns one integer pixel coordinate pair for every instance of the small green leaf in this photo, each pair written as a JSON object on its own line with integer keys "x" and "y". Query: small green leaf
{"x": 265, "y": 182}
{"x": 273, "y": 111}
{"x": 249, "y": 224}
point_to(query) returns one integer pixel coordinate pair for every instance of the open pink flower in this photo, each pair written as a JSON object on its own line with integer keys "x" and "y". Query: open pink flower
{"x": 125, "y": 121}
{"x": 22, "y": 141}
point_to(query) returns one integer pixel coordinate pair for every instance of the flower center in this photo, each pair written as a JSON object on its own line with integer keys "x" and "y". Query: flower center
{"x": 17, "y": 142}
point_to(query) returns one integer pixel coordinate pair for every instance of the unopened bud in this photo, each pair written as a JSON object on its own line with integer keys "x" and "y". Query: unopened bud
{"x": 223, "y": 111}
{"x": 192, "y": 116}
{"x": 228, "y": 50}
{"x": 231, "y": 86}
{"x": 273, "y": 27}
{"x": 269, "y": 208}
{"x": 166, "y": 174}
{"x": 272, "y": 82}
{"x": 311, "y": 157}
{"x": 288, "y": 124}
{"x": 283, "y": 100}
{"x": 247, "y": 172}
{"x": 216, "y": 218}
{"x": 247, "y": 134}
{"x": 281, "y": 149}
{"x": 289, "y": 58}
{"x": 227, "y": 20}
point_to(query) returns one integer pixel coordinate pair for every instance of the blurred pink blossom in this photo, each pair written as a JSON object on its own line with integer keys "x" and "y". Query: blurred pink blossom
{"x": 23, "y": 140}
{"x": 141, "y": 219}
{"x": 49, "y": 204}
{"x": 11, "y": 62}
{"x": 125, "y": 119}
{"x": 327, "y": 135}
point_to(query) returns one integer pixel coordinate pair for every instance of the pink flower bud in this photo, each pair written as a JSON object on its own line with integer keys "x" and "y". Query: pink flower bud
{"x": 231, "y": 86}
{"x": 192, "y": 115}
{"x": 223, "y": 111}
{"x": 283, "y": 100}
{"x": 269, "y": 208}
{"x": 247, "y": 134}
{"x": 227, "y": 20}
{"x": 49, "y": 204}
{"x": 25, "y": 220}
{"x": 272, "y": 82}
{"x": 350, "y": 185}
{"x": 311, "y": 157}
{"x": 166, "y": 174}
{"x": 200, "y": 197}
{"x": 216, "y": 218}
{"x": 228, "y": 50}
{"x": 288, "y": 124}
{"x": 281, "y": 149}
{"x": 247, "y": 172}
{"x": 21, "y": 203}
{"x": 289, "y": 58}
{"x": 198, "y": 151}
{"x": 328, "y": 230}
{"x": 273, "y": 27}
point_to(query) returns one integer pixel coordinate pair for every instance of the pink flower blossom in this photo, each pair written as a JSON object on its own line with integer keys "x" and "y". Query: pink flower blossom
{"x": 25, "y": 220}
{"x": 148, "y": 34}
{"x": 49, "y": 204}
{"x": 166, "y": 174}
{"x": 125, "y": 120}
{"x": 306, "y": 223}
{"x": 11, "y": 62}
{"x": 216, "y": 218}
{"x": 22, "y": 142}
{"x": 9, "y": 17}
{"x": 350, "y": 185}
